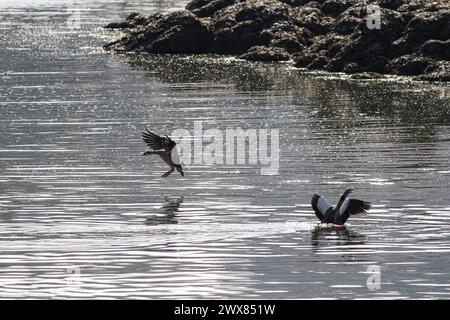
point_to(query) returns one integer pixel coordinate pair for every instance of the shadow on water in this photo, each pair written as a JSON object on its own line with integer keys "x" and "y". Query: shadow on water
{"x": 168, "y": 211}
{"x": 243, "y": 75}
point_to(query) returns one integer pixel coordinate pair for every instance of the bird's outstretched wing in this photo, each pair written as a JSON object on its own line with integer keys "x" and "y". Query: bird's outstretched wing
{"x": 351, "y": 207}
{"x": 158, "y": 143}
{"x": 320, "y": 206}
{"x": 354, "y": 206}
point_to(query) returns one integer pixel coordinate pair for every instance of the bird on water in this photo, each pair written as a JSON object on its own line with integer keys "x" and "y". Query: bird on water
{"x": 338, "y": 214}
{"x": 166, "y": 148}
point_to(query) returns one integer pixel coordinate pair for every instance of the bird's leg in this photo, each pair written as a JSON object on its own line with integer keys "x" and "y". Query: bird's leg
{"x": 165, "y": 175}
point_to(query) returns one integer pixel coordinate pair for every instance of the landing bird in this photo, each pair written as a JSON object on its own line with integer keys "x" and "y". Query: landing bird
{"x": 341, "y": 212}
{"x": 164, "y": 147}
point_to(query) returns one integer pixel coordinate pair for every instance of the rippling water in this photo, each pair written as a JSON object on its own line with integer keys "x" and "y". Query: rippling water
{"x": 84, "y": 215}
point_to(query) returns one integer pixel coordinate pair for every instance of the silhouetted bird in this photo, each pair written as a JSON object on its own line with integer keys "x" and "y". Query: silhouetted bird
{"x": 166, "y": 148}
{"x": 341, "y": 212}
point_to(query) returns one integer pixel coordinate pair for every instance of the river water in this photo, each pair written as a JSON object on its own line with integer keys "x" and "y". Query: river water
{"x": 84, "y": 215}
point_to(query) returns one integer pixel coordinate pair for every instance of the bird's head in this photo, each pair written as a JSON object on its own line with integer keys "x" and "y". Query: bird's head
{"x": 180, "y": 169}
{"x": 345, "y": 194}
{"x": 146, "y": 153}
{"x": 348, "y": 191}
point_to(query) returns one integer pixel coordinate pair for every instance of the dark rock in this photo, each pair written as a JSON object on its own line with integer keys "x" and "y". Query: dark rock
{"x": 241, "y": 37}
{"x": 443, "y": 77}
{"x": 366, "y": 76}
{"x": 436, "y": 72}
{"x": 335, "y": 46}
{"x": 335, "y": 65}
{"x": 289, "y": 37}
{"x": 314, "y": 21}
{"x": 391, "y": 4}
{"x": 197, "y": 4}
{"x": 119, "y": 25}
{"x": 204, "y": 8}
{"x": 408, "y": 65}
{"x": 289, "y": 43}
{"x": 248, "y": 24}
{"x": 391, "y": 28}
{"x": 178, "y": 32}
{"x": 373, "y": 49}
{"x": 377, "y": 64}
{"x": 305, "y": 59}
{"x": 335, "y": 7}
{"x": 297, "y": 3}
{"x": 318, "y": 63}
{"x": 132, "y": 21}
{"x": 184, "y": 33}
{"x": 436, "y": 49}
{"x": 428, "y": 25}
{"x": 352, "y": 68}
{"x": 410, "y": 6}
{"x": 138, "y": 19}
{"x": 261, "y": 53}
{"x": 332, "y": 35}
{"x": 346, "y": 25}
{"x": 398, "y": 48}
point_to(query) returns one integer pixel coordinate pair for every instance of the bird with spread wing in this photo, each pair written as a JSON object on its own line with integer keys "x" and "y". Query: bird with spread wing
{"x": 166, "y": 148}
{"x": 338, "y": 214}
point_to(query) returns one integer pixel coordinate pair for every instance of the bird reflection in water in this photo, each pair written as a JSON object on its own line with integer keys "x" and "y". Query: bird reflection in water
{"x": 167, "y": 213}
{"x": 334, "y": 235}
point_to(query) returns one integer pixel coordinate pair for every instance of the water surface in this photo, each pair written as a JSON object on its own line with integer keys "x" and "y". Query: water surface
{"x": 83, "y": 215}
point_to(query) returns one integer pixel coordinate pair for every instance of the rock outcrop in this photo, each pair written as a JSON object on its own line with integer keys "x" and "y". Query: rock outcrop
{"x": 401, "y": 37}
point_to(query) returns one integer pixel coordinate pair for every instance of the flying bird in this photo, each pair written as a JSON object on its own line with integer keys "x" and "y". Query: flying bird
{"x": 338, "y": 214}
{"x": 166, "y": 148}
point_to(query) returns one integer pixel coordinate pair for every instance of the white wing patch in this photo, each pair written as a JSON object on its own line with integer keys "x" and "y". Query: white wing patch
{"x": 323, "y": 205}
{"x": 175, "y": 156}
{"x": 344, "y": 206}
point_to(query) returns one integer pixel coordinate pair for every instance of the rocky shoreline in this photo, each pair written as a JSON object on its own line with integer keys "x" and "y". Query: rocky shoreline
{"x": 398, "y": 37}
